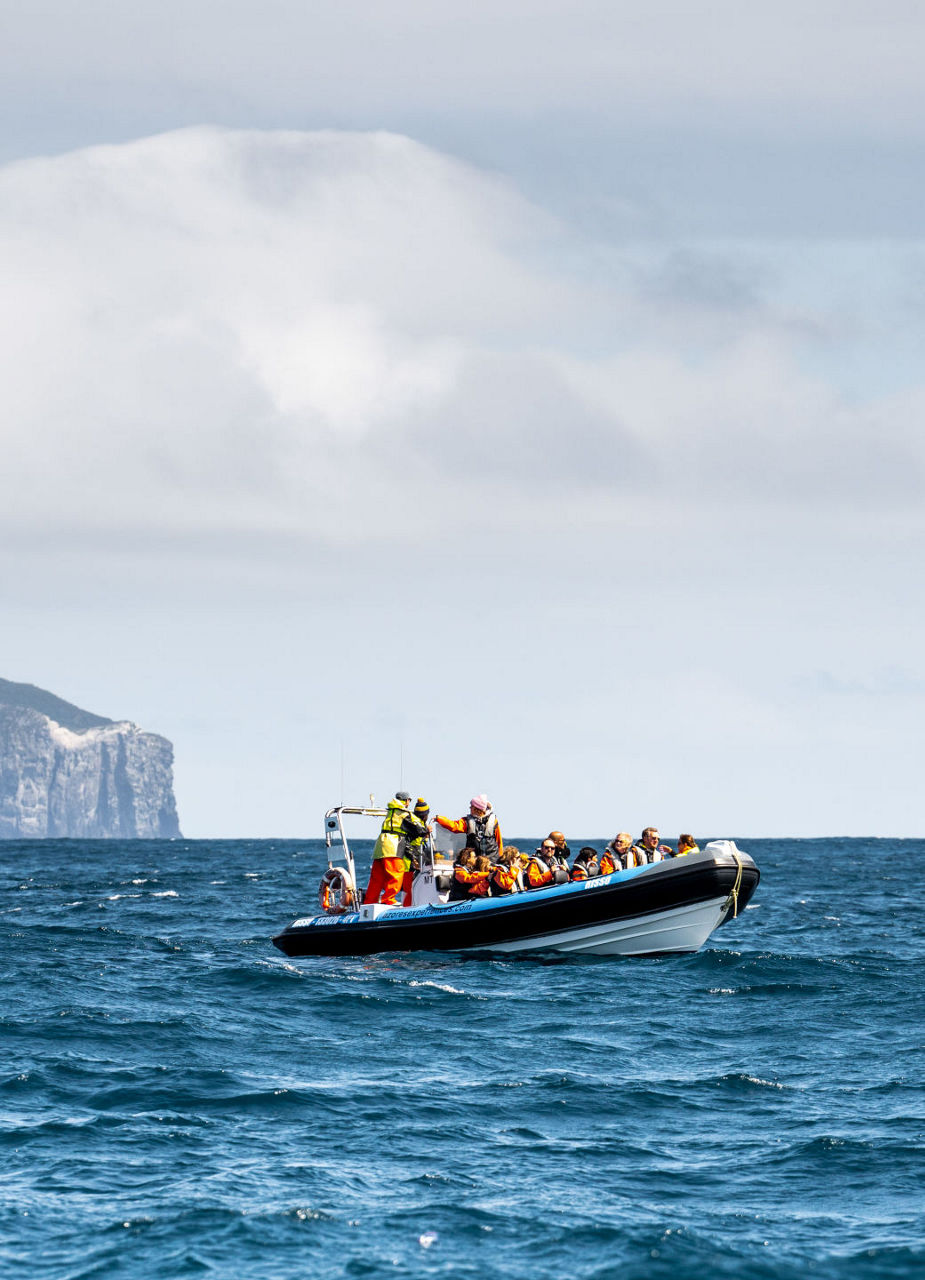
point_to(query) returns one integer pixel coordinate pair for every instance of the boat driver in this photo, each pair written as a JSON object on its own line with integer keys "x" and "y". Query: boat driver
{"x": 388, "y": 870}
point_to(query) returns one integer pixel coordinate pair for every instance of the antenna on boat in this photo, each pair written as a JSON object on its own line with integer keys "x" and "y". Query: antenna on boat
{"x": 342, "y": 773}
{"x": 401, "y": 765}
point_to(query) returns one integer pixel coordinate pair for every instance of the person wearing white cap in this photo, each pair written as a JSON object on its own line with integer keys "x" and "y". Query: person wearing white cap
{"x": 480, "y": 827}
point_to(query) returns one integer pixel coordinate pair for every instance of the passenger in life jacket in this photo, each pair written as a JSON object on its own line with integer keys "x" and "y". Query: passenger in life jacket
{"x": 541, "y": 867}
{"x": 505, "y": 874}
{"x": 614, "y": 857}
{"x": 585, "y": 866}
{"x": 518, "y": 866}
{"x": 388, "y": 869}
{"x": 519, "y": 863}
{"x": 462, "y": 875}
{"x": 480, "y": 886}
{"x": 686, "y": 844}
{"x": 554, "y": 855}
{"x": 648, "y": 849}
{"x": 414, "y": 844}
{"x": 480, "y": 827}
{"x": 562, "y": 849}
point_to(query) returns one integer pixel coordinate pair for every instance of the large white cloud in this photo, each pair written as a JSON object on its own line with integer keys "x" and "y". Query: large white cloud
{"x": 221, "y": 320}
{"x": 234, "y": 331}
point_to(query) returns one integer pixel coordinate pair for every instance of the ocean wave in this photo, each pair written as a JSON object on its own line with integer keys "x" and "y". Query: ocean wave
{"x": 752, "y": 1112}
{"x": 444, "y": 986}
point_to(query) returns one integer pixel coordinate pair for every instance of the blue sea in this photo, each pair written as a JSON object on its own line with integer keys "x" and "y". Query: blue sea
{"x": 179, "y": 1099}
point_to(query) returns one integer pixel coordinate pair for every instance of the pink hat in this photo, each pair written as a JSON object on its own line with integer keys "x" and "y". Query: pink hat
{"x": 480, "y": 803}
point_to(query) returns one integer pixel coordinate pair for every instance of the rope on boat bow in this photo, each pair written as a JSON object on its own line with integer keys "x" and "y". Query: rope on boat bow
{"x": 734, "y": 892}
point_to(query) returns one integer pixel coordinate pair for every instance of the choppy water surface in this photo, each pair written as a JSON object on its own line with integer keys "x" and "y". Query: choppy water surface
{"x": 177, "y": 1098}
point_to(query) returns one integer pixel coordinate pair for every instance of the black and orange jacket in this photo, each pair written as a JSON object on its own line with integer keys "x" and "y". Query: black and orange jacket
{"x": 504, "y": 879}
{"x": 475, "y": 882}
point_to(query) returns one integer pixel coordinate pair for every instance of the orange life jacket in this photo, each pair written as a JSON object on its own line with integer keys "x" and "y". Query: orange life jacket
{"x": 608, "y": 866}
{"x": 538, "y": 873}
{"x": 479, "y": 886}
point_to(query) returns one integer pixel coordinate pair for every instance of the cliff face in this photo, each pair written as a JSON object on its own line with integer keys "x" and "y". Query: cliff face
{"x": 94, "y": 778}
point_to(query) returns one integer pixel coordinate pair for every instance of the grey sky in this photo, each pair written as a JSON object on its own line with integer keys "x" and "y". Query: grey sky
{"x": 698, "y": 117}
{"x": 568, "y": 446}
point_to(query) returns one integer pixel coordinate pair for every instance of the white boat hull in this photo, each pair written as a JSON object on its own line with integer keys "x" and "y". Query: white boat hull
{"x": 681, "y": 929}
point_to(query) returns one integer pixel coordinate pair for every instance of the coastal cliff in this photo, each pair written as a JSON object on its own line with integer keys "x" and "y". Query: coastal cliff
{"x": 67, "y": 772}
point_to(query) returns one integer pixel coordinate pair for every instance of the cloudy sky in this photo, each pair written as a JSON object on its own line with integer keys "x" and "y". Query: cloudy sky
{"x": 525, "y": 399}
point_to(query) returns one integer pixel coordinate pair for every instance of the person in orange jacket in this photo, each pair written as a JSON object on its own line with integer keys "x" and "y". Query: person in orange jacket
{"x": 541, "y": 867}
{"x": 480, "y": 886}
{"x": 614, "y": 856}
{"x": 519, "y": 863}
{"x": 462, "y": 875}
{"x": 388, "y": 870}
{"x": 607, "y": 865}
{"x": 505, "y": 875}
{"x": 470, "y": 876}
{"x": 480, "y": 827}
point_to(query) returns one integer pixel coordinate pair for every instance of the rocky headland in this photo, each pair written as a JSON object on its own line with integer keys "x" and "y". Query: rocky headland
{"x": 67, "y": 772}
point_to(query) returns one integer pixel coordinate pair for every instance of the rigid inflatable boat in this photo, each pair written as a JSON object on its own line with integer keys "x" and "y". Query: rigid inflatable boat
{"x": 666, "y": 907}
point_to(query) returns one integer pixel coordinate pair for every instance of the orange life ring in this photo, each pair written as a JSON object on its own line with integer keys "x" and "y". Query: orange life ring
{"x": 335, "y": 893}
